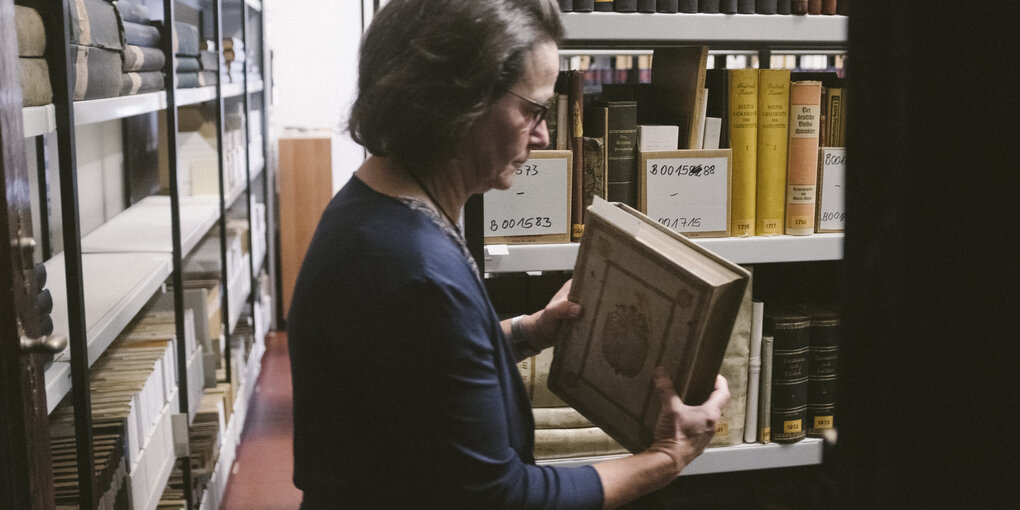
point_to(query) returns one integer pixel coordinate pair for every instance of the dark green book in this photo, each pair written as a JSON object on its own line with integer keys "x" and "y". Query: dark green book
{"x": 791, "y": 335}
{"x": 823, "y": 368}
{"x": 708, "y": 6}
{"x": 616, "y": 123}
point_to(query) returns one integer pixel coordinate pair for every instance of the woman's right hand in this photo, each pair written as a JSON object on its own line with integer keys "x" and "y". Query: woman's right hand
{"x": 683, "y": 431}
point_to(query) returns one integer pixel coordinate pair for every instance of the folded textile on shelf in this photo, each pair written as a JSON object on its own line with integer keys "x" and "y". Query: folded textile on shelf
{"x": 140, "y": 59}
{"x": 95, "y": 72}
{"x": 137, "y": 34}
{"x": 141, "y": 83}
{"x": 94, "y": 23}
{"x": 35, "y": 82}
{"x": 31, "y": 32}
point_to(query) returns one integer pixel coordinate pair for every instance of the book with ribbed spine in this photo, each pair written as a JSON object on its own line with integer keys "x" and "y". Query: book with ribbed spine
{"x": 814, "y": 7}
{"x": 652, "y": 298}
{"x": 603, "y": 6}
{"x": 584, "y": 5}
{"x": 791, "y": 335}
{"x": 743, "y": 126}
{"x": 802, "y": 160}
{"x": 566, "y": 5}
{"x": 773, "y": 137}
{"x": 728, "y": 6}
{"x": 617, "y": 125}
{"x": 783, "y": 7}
{"x": 745, "y": 6}
{"x": 625, "y": 5}
{"x": 765, "y": 7}
{"x": 823, "y": 367}
{"x": 687, "y": 6}
{"x": 708, "y": 6}
{"x": 798, "y": 6}
{"x": 666, "y": 6}
{"x": 646, "y": 5}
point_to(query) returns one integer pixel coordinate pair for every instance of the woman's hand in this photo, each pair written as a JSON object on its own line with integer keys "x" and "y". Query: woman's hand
{"x": 683, "y": 431}
{"x": 540, "y": 327}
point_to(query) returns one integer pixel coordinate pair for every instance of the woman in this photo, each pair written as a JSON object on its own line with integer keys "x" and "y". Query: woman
{"x": 405, "y": 390}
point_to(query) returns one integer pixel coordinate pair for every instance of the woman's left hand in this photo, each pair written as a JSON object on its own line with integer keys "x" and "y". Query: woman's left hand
{"x": 541, "y": 326}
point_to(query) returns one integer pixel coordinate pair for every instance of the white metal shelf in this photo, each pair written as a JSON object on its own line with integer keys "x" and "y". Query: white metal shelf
{"x": 116, "y": 287}
{"x": 232, "y": 89}
{"x": 39, "y": 120}
{"x": 111, "y": 108}
{"x": 195, "y": 95}
{"x": 255, "y": 86}
{"x": 745, "y": 457}
{"x": 145, "y": 226}
{"x": 741, "y": 250}
{"x": 606, "y": 28}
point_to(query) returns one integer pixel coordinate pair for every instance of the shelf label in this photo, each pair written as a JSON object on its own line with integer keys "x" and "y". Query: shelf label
{"x": 687, "y": 190}
{"x": 536, "y": 208}
{"x": 831, "y": 207}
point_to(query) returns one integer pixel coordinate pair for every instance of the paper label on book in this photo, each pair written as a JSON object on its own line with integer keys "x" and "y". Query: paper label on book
{"x": 831, "y": 192}
{"x": 804, "y": 120}
{"x": 722, "y": 429}
{"x": 800, "y": 194}
{"x": 536, "y": 203}
{"x": 766, "y": 434}
{"x": 687, "y": 190}
{"x": 823, "y": 422}
{"x": 791, "y": 426}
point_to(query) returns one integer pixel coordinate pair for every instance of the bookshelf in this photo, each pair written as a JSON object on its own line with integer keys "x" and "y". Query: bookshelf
{"x": 116, "y": 251}
{"x": 635, "y": 33}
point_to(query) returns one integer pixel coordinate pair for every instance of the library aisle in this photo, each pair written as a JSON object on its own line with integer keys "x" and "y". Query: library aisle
{"x": 262, "y": 474}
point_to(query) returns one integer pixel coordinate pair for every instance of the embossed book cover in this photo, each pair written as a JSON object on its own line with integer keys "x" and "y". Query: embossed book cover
{"x": 651, "y": 297}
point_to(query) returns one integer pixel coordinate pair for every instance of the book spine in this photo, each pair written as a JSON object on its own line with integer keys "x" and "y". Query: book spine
{"x": 743, "y": 123}
{"x": 773, "y": 136}
{"x": 798, "y": 6}
{"x": 802, "y": 166}
{"x": 765, "y": 6}
{"x": 566, "y": 5}
{"x": 745, "y": 6}
{"x": 687, "y": 6}
{"x": 552, "y": 120}
{"x": 708, "y": 6}
{"x": 625, "y": 5}
{"x": 814, "y": 7}
{"x": 791, "y": 341}
{"x": 594, "y": 180}
{"x": 783, "y": 7}
{"x": 562, "y": 122}
{"x": 834, "y": 120}
{"x": 728, "y": 6}
{"x": 646, "y": 5}
{"x": 667, "y": 6}
{"x": 621, "y": 152}
{"x": 603, "y": 6}
{"x": 823, "y": 375}
{"x": 584, "y": 5}
{"x": 575, "y": 95}
{"x": 829, "y": 7}
{"x": 754, "y": 373}
{"x": 765, "y": 391}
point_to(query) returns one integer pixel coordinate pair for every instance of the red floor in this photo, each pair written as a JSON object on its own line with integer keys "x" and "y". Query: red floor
{"x": 261, "y": 477}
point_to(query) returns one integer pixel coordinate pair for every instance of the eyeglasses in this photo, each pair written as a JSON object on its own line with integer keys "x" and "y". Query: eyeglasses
{"x": 540, "y": 114}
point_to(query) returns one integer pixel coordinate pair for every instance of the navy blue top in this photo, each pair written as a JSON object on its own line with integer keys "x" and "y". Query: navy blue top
{"x": 406, "y": 394}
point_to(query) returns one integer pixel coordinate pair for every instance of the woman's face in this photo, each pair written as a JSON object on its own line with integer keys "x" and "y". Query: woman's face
{"x": 501, "y": 140}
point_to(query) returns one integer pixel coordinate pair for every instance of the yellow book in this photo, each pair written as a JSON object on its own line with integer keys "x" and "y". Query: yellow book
{"x": 743, "y": 123}
{"x": 802, "y": 161}
{"x": 773, "y": 123}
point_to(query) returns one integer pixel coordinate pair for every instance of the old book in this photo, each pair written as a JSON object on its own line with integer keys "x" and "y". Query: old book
{"x": 666, "y": 6}
{"x": 141, "y": 83}
{"x": 798, "y": 6}
{"x": 814, "y": 7}
{"x": 584, "y": 5}
{"x": 535, "y": 375}
{"x": 679, "y": 74}
{"x": 773, "y": 137}
{"x": 31, "y": 32}
{"x": 652, "y": 298}
{"x": 552, "y": 120}
{"x": 687, "y": 6}
{"x": 835, "y": 118}
{"x": 754, "y": 373}
{"x": 783, "y": 7}
{"x": 765, "y": 390}
{"x": 765, "y": 7}
{"x": 603, "y": 6}
{"x": 625, "y": 5}
{"x": 802, "y": 160}
{"x": 828, "y": 7}
{"x": 35, "y": 82}
{"x": 708, "y": 6}
{"x": 572, "y": 443}
{"x": 575, "y": 99}
{"x": 134, "y": 11}
{"x": 566, "y": 5}
{"x": 657, "y": 138}
{"x": 617, "y": 125}
{"x": 137, "y": 34}
{"x": 96, "y": 72}
{"x": 94, "y": 23}
{"x": 646, "y": 5}
{"x": 559, "y": 418}
{"x": 791, "y": 335}
{"x": 728, "y": 6}
{"x": 594, "y": 180}
{"x": 823, "y": 367}
{"x": 140, "y": 59}
{"x": 745, "y": 6}
{"x": 743, "y": 124}
{"x": 729, "y": 430}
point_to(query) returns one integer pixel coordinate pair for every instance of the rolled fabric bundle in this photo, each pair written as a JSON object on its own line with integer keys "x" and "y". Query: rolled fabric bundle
{"x": 31, "y": 32}
{"x": 94, "y": 23}
{"x": 133, "y": 11}
{"x": 188, "y": 64}
{"x": 96, "y": 72}
{"x": 186, "y": 39}
{"x": 141, "y": 59}
{"x": 141, "y": 83}
{"x": 137, "y": 34}
{"x": 35, "y": 81}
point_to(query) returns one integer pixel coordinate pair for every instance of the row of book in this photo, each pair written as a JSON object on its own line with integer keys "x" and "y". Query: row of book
{"x": 781, "y": 365}
{"x": 773, "y": 121}
{"x": 827, "y": 7}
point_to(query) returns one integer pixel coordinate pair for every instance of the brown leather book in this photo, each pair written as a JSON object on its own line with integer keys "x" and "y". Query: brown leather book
{"x": 799, "y": 7}
{"x": 814, "y": 7}
{"x": 829, "y": 7}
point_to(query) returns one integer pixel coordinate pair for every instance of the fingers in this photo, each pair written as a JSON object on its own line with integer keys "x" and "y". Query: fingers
{"x": 721, "y": 394}
{"x": 664, "y": 386}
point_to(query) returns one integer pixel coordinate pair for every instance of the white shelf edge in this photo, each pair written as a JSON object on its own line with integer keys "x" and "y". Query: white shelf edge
{"x": 239, "y": 287}
{"x": 195, "y": 95}
{"x": 232, "y": 89}
{"x": 39, "y": 120}
{"x": 255, "y": 86}
{"x": 608, "y": 27}
{"x": 104, "y": 324}
{"x": 124, "y": 232}
{"x": 740, "y": 250}
{"x": 111, "y": 108}
{"x": 725, "y": 459}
